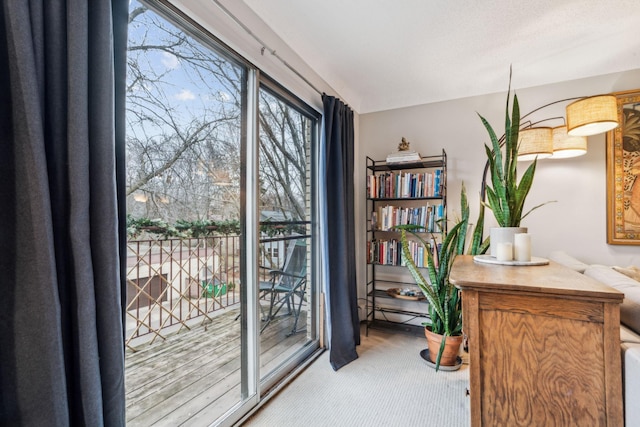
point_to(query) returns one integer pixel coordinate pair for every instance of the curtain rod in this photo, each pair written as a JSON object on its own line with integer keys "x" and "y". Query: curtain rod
{"x": 265, "y": 46}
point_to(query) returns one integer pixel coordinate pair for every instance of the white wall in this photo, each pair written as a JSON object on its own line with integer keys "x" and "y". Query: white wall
{"x": 576, "y": 223}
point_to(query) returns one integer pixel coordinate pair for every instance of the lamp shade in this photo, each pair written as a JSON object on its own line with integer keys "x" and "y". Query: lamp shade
{"x": 565, "y": 145}
{"x": 535, "y": 142}
{"x": 592, "y": 115}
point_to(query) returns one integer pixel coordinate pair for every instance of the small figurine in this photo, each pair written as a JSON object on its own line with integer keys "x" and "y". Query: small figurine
{"x": 404, "y": 145}
{"x": 404, "y": 154}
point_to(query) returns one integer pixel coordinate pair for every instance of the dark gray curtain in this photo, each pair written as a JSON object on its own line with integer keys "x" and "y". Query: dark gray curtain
{"x": 342, "y": 297}
{"x": 61, "y": 117}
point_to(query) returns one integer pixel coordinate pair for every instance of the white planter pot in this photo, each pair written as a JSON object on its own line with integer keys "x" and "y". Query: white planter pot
{"x": 503, "y": 235}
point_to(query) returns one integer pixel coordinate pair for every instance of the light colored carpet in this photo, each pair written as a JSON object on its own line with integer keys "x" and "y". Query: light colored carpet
{"x": 388, "y": 385}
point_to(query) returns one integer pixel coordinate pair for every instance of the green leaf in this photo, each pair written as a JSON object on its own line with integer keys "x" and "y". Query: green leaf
{"x": 496, "y": 146}
{"x": 521, "y": 194}
{"x": 475, "y": 247}
{"x": 511, "y": 145}
{"x": 440, "y": 351}
{"x": 496, "y": 206}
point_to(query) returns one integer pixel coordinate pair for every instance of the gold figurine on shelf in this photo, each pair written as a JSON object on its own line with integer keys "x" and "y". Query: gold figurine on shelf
{"x": 404, "y": 144}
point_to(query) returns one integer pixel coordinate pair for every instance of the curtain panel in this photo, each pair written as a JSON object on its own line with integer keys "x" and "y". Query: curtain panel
{"x": 341, "y": 288}
{"x": 61, "y": 129}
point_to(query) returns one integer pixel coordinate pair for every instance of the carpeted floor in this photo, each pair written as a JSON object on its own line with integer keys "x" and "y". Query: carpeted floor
{"x": 388, "y": 385}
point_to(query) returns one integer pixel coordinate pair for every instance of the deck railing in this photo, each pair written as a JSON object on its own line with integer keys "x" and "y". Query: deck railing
{"x": 175, "y": 283}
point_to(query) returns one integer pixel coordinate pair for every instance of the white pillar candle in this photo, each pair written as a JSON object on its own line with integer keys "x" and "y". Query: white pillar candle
{"x": 505, "y": 252}
{"x": 522, "y": 247}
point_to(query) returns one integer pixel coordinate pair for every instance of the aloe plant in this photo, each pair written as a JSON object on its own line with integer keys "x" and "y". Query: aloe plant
{"x": 445, "y": 309}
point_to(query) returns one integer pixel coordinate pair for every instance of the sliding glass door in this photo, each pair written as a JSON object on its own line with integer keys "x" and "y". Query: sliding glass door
{"x": 221, "y": 277}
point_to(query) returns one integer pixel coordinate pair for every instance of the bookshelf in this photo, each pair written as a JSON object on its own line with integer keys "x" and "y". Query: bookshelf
{"x": 401, "y": 193}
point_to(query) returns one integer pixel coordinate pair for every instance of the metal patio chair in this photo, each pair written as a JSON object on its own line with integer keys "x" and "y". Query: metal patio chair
{"x": 287, "y": 286}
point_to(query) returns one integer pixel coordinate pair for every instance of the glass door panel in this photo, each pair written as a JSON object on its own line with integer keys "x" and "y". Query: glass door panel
{"x": 287, "y": 291}
{"x": 185, "y": 269}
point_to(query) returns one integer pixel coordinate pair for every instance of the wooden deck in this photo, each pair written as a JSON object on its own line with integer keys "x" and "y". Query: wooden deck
{"x": 193, "y": 377}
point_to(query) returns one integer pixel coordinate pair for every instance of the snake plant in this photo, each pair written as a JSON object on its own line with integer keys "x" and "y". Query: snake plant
{"x": 506, "y": 196}
{"x": 445, "y": 309}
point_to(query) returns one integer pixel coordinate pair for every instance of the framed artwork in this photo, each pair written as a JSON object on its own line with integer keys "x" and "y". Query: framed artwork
{"x": 623, "y": 173}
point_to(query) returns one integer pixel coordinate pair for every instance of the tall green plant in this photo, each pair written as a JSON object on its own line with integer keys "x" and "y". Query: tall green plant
{"x": 505, "y": 196}
{"x": 477, "y": 245}
{"x": 445, "y": 309}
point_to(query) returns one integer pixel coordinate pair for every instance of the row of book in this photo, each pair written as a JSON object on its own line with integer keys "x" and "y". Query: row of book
{"x": 429, "y": 217}
{"x": 405, "y": 184}
{"x": 389, "y": 252}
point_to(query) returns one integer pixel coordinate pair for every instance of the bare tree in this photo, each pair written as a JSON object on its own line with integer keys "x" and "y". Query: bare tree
{"x": 184, "y": 117}
{"x": 284, "y": 135}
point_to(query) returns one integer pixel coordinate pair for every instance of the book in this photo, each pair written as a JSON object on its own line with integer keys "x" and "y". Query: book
{"x": 437, "y": 183}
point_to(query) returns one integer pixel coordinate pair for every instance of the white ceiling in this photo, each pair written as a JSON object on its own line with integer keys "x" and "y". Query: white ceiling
{"x": 384, "y": 54}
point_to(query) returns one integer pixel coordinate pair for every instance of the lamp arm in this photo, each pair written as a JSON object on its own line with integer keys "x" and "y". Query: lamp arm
{"x": 550, "y": 104}
{"x": 529, "y": 124}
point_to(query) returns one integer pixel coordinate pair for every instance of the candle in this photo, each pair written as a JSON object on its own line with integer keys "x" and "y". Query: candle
{"x": 505, "y": 252}
{"x": 522, "y": 247}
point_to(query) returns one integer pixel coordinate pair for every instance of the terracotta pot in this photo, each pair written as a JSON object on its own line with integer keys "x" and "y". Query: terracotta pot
{"x": 451, "y": 348}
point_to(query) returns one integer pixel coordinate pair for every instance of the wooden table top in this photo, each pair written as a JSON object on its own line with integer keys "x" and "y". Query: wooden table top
{"x": 552, "y": 278}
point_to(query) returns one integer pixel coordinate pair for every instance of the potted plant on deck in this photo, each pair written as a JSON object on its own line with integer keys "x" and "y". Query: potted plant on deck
{"x": 444, "y": 328}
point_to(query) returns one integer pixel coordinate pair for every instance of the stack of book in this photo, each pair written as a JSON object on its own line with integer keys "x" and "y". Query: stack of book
{"x": 405, "y": 156}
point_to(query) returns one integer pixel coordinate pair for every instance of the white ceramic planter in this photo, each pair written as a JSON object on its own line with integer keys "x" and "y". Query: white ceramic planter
{"x": 503, "y": 235}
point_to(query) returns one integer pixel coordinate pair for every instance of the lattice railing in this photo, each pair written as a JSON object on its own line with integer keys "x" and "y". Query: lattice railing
{"x": 173, "y": 284}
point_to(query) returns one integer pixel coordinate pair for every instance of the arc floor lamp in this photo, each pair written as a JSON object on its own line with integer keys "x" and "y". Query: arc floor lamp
{"x": 585, "y": 116}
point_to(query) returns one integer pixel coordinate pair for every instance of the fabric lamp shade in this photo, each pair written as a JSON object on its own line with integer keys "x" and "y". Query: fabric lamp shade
{"x": 592, "y": 115}
{"x": 535, "y": 142}
{"x": 565, "y": 145}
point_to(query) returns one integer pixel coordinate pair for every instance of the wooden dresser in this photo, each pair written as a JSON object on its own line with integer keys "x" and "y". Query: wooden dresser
{"x": 544, "y": 345}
